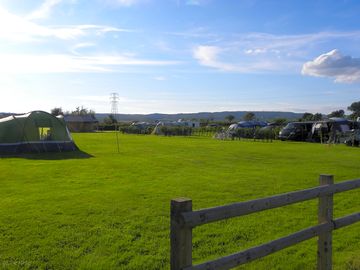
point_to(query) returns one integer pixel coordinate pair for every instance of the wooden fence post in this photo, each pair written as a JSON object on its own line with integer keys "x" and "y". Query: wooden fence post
{"x": 180, "y": 235}
{"x": 325, "y": 215}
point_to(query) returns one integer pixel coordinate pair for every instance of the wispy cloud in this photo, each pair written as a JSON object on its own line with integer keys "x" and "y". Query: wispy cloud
{"x": 79, "y": 46}
{"x": 19, "y": 29}
{"x": 197, "y": 32}
{"x": 333, "y": 64}
{"x": 44, "y": 10}
{"x": 124, "y": 3}
{"x": 160, "y": 78}
{"x": 262, "y": 52}
{"x": 196, "y": 2}
{"x": 127, "y": 2}
{"x": 210, "y": 56}
{"x": 61, "y": 63}
{"x": 96, "y": 98}
{"x": 255, "y": 51}
{"x": 265, "y": 42}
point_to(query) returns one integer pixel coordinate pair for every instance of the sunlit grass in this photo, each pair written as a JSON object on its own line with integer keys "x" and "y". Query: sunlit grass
{"x": 111, "y": 210}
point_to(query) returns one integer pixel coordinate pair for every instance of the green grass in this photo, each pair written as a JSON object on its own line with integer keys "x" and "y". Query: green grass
{"x": 111, "y": 211}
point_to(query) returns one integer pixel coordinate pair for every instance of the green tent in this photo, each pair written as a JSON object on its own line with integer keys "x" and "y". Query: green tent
{"x": 36, "y": 131}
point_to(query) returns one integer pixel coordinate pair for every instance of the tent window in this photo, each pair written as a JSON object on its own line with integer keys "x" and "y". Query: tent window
{"x": 45, "y": 133}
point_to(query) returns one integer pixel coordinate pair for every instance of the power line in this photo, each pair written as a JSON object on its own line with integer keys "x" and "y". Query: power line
{"x": 114, "y": 101}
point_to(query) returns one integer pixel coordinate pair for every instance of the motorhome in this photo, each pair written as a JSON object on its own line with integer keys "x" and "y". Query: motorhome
{"x": 296, "y": 131}
{"x": 330, "y": 130}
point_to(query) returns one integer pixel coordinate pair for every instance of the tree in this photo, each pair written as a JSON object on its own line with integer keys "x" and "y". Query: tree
{"x": 110, "y": 120}
{"x": 230, "y": 118}
{"x": 339, "y": 113}
{"x": 83, "y": 111}
{"x": 249, "y": 116}
{"x": 355, "y": 109}
{"x": 311, "y": 117}
{"x": 307, "y": 117}
{"x": 317, "y": 117}
{"x": 280, "y": 121}
{"x": 57, "y": 111}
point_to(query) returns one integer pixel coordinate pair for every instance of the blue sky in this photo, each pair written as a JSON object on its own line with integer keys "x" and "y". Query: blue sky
{"x": 179, "y": 55}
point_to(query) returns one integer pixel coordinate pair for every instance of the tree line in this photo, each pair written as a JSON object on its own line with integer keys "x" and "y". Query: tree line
{"x": 354, "y": 108}
{"x": 111, "y": 120}
{"x": 78, "y": 111}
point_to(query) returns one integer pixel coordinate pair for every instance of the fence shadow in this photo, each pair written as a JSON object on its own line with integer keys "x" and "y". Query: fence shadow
{"x": 78, "y": 154}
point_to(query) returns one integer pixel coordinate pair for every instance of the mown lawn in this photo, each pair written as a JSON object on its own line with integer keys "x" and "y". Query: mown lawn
{"x": 111, "y": 210}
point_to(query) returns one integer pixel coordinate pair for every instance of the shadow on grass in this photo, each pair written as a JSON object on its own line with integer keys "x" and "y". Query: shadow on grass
{"x": 78, "y": 154}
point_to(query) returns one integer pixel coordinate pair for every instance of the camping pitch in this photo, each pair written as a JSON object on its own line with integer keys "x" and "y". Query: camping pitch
{"x": 36, "y": 131}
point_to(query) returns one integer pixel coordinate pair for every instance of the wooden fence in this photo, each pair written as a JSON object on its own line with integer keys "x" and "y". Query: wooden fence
{"x": 183, "y": 220}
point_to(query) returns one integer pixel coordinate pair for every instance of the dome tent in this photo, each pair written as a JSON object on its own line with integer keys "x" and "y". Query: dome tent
{"x": 36, "y": 131}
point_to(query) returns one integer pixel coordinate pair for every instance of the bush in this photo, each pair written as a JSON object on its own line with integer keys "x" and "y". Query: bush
{"x": 102, "y": 127}
{"x": 266, "y": 133}
{"x": 207, "y": 131}
{"x": 269, "y": 133}
{"x": 136, "y": 130}
{"x": 248, "y": 133}
{"x": 176, "y": 131}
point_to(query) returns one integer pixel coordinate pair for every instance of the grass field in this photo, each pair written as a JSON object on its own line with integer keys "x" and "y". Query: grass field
{"x": 107, "y": 210}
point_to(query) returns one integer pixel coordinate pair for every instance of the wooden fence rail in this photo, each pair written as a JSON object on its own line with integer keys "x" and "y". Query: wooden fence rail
{"x": 183, "y": 220}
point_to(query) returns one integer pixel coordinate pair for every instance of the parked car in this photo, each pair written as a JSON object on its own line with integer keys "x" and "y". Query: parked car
{"x": 296, "y": 131}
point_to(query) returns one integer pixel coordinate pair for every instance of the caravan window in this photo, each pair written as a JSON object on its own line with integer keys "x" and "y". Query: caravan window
{"x": 344, "y": 127}
{"x": 290, "y": 126}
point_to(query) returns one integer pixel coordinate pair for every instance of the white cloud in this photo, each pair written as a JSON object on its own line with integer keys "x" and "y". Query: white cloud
{"x": 44, "y": 10}
{"x": 60, "y": 63}
{"x": 208, "y": 56}
{"x": 335, "y": 65}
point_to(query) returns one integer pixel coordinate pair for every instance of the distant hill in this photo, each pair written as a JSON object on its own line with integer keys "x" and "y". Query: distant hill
{"x": 216, "y": 116}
